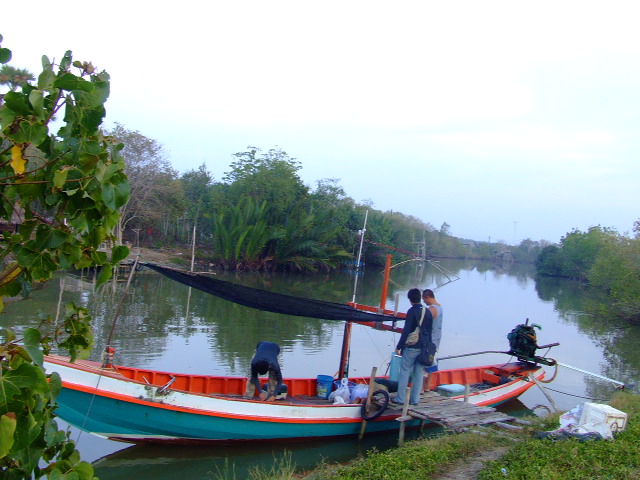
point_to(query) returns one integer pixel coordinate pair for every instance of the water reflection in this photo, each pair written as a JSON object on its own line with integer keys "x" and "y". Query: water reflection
{"x": 617, "y": 341}
{"x": 167, "y": 326}
{"x": 161, "y": 462}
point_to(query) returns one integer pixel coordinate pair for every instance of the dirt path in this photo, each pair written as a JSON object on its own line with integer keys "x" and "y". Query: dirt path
{"x": 468, "y": 468}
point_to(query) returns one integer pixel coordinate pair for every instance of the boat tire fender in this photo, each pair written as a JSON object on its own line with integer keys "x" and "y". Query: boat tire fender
{"x": 381, "y": 399}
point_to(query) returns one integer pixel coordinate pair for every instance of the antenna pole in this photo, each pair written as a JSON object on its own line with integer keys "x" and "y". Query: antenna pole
{"x": 364, "y": 229}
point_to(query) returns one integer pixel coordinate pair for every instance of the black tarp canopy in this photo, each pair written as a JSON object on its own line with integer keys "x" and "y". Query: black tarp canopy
{"x": 270, "y": 301}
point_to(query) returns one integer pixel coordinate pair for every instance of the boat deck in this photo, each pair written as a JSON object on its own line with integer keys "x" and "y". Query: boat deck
{"x": 301, "y": 391}
{"x": 452, "y": 414}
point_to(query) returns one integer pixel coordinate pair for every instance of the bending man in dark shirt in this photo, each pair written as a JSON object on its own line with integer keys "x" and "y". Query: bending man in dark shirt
{"x": 265, "y": 360}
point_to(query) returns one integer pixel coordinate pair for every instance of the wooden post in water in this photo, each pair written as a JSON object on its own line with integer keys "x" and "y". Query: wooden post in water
{"x": 405, "y": 409}
{"x": 369, "y": 396}
{"x": 193, "y": 247}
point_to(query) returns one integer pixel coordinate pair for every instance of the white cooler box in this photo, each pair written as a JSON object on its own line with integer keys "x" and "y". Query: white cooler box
{"x": 595, "y": 413}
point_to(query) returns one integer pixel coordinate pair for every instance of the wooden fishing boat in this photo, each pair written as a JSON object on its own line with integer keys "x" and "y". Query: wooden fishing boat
{"x": 146, "y": 406}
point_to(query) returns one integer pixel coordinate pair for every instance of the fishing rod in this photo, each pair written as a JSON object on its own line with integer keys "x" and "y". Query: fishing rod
{"x": 620, "y": 384}
{"x": 470, "y": 354}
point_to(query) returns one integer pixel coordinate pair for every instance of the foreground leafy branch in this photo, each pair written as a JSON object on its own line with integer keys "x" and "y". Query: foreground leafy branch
{"x": 59, "y": 199}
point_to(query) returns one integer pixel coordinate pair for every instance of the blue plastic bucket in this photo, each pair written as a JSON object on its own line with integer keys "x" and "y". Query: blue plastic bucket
{"x": 323, "y": 386}
{"x": 433, "y": 368}
{"x": 394, "y": 367}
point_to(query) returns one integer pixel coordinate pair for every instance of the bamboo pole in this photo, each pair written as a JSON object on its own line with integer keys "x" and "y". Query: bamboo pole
{"x": 546, "y": 394}
{"x": 363, "y": 427}
{"x": 405, "y": 410}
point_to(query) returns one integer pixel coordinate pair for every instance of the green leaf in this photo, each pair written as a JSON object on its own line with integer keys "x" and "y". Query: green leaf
{"x": 43, "y": 267}
{"x": 83, "y": 262}
{"x": 26, "y": 256}
{"x": 18, "y": 102}
{"x": 65, "y": 63}
{"x": 60, "y": 177}
{"x": 97, "y": 236}
{"x": 118, "y": 254}
{"x": 32, "y": 345}
{"x": 7, "y": 335}
{"x": 52, "y": 198}
{"x": 46, "y": 79}
{"x": 29, "y": 457}
{"x": 27, "y": 430}
{"x": 25, "y": 376}
{"x": 56, "y": 474}
{"x": 84, "y": 470}
{"x": 92, "y": 147}
{"x": 36, "y": 99}
{"x": 102, "y": 90}
{"x": 69, "y": 255}
{"x": 46, "y": 63}
{"x": 29, "y": 133}
{"x": 49, "y": 238}
{"x": 105, "y": 172}
{"x": 110, "y": 220}
{"x": 26, "y": 229}
{"x": 30, "y": 189}
{"x": 70, "y": 82}
{"x": 114, "y": 195}
{"x": 77, "y": 324}
{"x": 99, "y": 258}
{"x": 7, "y": 429}
{"x": 12, "y": 289}
{"x": 105, "y": 274}
{"x": 55, "y": 384}
{"x": 5, "y": 55}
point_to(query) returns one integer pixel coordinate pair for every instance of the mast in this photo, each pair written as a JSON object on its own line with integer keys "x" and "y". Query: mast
{"x": 343, "y": 369}
{"x": 385, "y": 283}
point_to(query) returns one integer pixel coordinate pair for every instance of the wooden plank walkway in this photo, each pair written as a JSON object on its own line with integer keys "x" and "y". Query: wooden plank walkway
{"x": 452, "y": 414}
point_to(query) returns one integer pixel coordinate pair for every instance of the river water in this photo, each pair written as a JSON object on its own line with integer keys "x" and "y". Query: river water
{"x": 167, "y": 326}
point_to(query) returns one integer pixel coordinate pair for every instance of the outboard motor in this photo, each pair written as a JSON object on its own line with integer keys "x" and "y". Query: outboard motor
{"x": 523, "y": 344}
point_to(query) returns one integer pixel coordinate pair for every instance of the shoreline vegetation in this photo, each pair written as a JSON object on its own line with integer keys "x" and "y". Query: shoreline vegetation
{"x": 491, "y": 455}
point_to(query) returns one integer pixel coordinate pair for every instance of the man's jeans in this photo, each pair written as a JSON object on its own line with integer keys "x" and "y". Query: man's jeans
{"x": 408, "y": 366}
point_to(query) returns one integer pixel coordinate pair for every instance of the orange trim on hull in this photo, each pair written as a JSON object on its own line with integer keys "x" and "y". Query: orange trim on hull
{"x": 196, "y": 411}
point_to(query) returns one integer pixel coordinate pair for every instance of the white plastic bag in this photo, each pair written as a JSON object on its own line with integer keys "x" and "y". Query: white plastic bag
{"x": 359, "y": 393}
{"x": 343, "y": 392}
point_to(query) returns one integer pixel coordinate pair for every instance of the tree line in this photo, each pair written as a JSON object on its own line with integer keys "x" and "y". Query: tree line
{"x": 604, "y": 259}
{"x": 261, "y": 216}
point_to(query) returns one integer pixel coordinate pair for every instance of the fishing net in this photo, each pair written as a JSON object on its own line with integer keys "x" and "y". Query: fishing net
{"x": 270, "y": 301}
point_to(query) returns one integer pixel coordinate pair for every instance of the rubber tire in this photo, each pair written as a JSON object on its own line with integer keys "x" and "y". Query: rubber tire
{"x": 385, "y": 404}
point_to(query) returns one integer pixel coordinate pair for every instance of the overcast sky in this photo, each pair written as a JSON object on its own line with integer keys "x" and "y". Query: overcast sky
{"x": 507, "y": 119}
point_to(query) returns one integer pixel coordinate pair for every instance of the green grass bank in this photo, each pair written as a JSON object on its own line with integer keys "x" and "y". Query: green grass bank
{"x": 494, "y": 456}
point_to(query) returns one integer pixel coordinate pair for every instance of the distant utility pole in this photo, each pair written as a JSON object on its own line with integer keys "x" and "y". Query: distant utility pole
{"x": 515, "y": 232}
